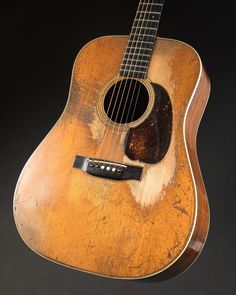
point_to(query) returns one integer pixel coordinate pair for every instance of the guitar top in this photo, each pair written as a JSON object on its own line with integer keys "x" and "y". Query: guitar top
{"x": 115, "y": 188}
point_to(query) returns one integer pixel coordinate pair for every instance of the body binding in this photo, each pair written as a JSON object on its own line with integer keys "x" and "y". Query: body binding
{"x": 130, "y": 229}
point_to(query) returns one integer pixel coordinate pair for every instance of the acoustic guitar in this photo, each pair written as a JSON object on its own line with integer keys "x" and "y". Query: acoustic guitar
{"x": 115, "y": 188}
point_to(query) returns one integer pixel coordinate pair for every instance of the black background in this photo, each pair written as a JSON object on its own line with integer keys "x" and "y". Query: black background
{"x": 39, "y": 42}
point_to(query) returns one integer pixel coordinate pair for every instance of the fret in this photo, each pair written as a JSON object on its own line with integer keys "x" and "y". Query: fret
{"x": 145, "y": 36}
{"x": 135, "y": 65}
{"x": 141, "y": 20}
{"x": 134, "y": 71}
{"x": 143, "y": 42}
{"x": 138, "y": 49}
{"x": 123, "y": 67}
{"x": 144, "y": 28}
{"x": 142, "y": 35}
{"x": 135, "y": 48}
{"x": 149, "y": 12}
{"x": 137, "y": 52}
{"x": 145, "y": 55}
{"x": 134, "y": 60}
{"x": 149, "y": 23}
{"x": 146, "y": 20}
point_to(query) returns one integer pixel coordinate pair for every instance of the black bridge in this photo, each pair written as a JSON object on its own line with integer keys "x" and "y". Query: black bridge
{"x": 108, "y": 169}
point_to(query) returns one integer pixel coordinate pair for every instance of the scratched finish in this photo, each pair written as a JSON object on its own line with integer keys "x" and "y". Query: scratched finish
{"x": 113, "y": 228}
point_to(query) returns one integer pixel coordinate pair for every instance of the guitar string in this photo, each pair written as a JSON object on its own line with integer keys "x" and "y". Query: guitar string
{"x": 135, "y": 66}
{"x": 107, "y": 128}
{"x": 139, "y": 89}
{"x": 126, "y": 80}
{"x": 160, "y": 12}
{"x": 127, "y": 69}
{"x": 114, "y": 89}
{"x": 125, "y": 87}
{"x": 117, "y": 98}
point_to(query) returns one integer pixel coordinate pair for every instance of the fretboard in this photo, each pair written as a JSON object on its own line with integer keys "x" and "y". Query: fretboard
{"x": 141, "y": 40}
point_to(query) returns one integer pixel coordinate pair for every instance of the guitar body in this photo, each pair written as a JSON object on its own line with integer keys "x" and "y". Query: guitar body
{"x": 131, "y": 228}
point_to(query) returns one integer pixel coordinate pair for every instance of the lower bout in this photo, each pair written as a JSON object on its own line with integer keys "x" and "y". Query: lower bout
{"x": 112, "y": 238}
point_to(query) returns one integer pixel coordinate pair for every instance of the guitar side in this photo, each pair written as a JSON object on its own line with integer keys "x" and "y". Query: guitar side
{"x": 193, "y": 118}
{"x": 119, "y": 229}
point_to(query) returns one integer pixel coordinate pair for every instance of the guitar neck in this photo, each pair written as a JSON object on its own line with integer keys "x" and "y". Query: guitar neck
{"x": 141, "y": 40}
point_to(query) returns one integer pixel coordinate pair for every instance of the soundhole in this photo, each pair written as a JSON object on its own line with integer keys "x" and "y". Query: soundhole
{"x": 126, "y": 101}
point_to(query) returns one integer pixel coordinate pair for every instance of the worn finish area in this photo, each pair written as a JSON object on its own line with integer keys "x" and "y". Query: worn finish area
{"x": 129, "y": 229}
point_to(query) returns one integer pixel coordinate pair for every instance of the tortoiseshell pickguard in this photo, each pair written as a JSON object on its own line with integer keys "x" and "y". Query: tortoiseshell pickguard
{"x": 149, "y": 142}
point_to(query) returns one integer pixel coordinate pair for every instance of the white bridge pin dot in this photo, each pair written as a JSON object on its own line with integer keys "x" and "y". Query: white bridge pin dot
{"x": 102, "y": 167}
{"x": 108, "y": 168}
{"x": 113, "y": 169}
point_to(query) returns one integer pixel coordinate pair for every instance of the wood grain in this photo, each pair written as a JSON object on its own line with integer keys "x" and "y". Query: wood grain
{"x": 118, "y": 229}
